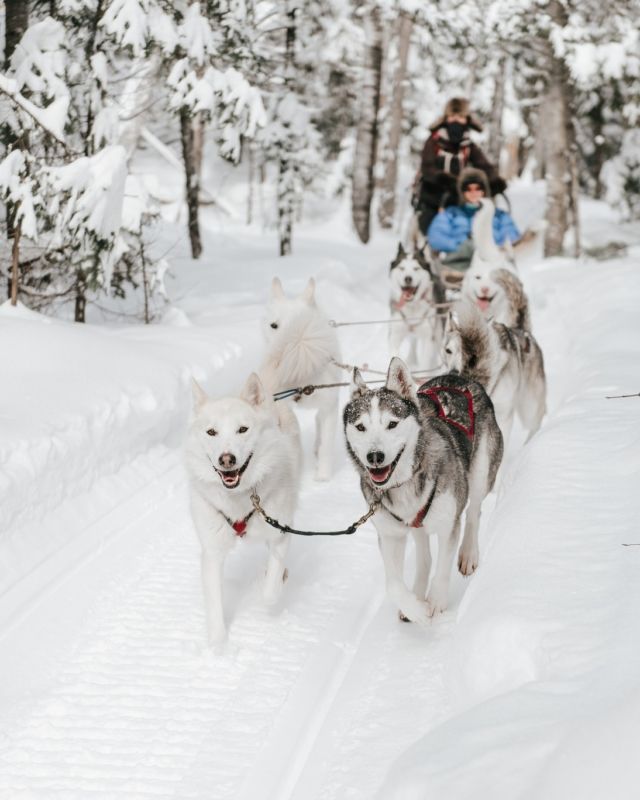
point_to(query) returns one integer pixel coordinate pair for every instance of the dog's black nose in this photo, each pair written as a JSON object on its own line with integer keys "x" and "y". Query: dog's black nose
{"x": 375, "y": 458}
{"x": 408, "y": 280}
{"x": 227, "y": 460}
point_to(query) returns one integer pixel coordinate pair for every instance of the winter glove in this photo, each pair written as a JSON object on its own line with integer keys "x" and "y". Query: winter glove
{"x": 498, "y": 186}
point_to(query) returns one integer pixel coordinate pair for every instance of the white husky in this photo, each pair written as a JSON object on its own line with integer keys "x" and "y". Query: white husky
{"x": 491, "y": 282}
{"x": 302, "y": 349}
{"x": 415, "y": 292}
{"x": 236, "y": 445}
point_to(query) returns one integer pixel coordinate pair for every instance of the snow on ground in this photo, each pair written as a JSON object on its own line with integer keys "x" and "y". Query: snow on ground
{"x": 526, "y": 688}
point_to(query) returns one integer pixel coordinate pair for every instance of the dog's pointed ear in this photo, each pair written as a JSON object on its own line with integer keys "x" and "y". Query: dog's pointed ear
{"x": 401, "y": 251}
{"x": 198, "y": 394}
{"x": 277, "y": 292}
{"x": 358, "y": 386}
{"x": 254, "y": 392}
{"x": 309, "y": 293}
{"x": 399, "y": 379}
{"x": 452, "y": 322}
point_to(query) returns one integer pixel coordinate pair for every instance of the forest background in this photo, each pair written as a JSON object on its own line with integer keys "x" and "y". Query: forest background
{"x": 320, "y": 99}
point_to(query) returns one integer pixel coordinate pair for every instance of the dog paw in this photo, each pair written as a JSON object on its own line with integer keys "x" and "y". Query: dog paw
{"x": 415, "y": 610}
{"x": 436, "y": 604}
{"x": 468, "y": 562}
{"x": 322, "y": 475}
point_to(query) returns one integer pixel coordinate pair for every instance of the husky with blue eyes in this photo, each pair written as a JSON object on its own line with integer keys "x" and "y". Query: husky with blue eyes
{"x": 237, "y": 445}
{"x": 425, "y": 454}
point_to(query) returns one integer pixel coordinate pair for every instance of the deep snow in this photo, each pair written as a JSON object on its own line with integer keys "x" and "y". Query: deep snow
{"x": 526, "y": 688}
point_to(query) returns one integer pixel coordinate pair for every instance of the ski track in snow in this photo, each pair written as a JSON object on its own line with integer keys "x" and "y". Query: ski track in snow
{"x": 138, "y": 708}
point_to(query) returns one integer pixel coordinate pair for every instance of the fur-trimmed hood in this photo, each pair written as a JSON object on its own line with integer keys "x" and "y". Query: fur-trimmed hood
{"x": 458, "y": 105}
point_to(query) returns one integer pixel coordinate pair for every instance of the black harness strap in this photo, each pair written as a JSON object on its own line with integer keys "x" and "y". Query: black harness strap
{"x": 420, "y": 516}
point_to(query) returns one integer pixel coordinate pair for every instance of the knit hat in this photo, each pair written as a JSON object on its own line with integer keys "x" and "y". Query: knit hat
{"x": 471, "y": 175}
{"x": 458, "y": 105}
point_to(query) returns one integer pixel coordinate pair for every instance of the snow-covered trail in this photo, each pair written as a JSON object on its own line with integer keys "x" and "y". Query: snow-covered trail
{"x": 116, "y": 697}
{"x": 107, "y": 690}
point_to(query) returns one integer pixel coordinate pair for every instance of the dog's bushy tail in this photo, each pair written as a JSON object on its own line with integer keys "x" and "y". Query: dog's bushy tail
{"x": 483, "y": 239}
{"x": 303, "y": 350}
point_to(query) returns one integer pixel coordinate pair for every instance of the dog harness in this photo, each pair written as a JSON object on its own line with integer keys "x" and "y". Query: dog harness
{"x": 419, "y": 517}
{"x": 240, "y": 525}
{"x": 433, "y": 394}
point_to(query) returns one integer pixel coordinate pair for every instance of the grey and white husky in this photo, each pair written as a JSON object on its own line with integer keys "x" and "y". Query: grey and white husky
{"x": 507, "y": 361}
{"x": 302, "y": 349}
{"x": 236, "y": 445}
{"x": 415, "y": 291}
{"x": 425, "y": 454}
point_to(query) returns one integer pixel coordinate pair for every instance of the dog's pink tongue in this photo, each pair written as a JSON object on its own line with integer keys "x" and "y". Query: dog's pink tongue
{"x": 380, "y": 475}
{"x": 483, "y": 303}
{"x": 231, "y": 479}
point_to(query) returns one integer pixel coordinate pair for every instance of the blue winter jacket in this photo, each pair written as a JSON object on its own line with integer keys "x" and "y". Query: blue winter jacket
{"x": 451, "y": 227}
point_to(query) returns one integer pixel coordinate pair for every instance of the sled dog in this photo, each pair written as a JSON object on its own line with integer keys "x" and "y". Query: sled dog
{"x": 506, "y": 361}
{"x": 491, "y": 282}
{"x": 425, "y": 454}
{"x": 302, "y": 349}
{"x": 415, "y": 291}
{"x": 236, "y": 445}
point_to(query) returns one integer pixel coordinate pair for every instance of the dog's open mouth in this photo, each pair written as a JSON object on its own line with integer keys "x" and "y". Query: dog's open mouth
{"x": 231, "y": 477}
{"x": 484, "y": 301}
{"x": 408, "y": 292}
{"x": 380, "y": 475}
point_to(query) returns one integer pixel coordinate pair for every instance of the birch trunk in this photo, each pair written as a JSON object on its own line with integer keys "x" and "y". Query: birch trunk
{"x": 387, "y": 207}
{"x": 367, "y": 129}
{"x": 191, "y": 181}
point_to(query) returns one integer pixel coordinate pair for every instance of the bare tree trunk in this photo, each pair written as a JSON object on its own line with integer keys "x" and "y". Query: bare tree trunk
{"x": 191, "y": 179}
{"x": 286, "y": 176}
{"x": 558, "y": 175}
{"x": 497, "y": 109}
{"x": 250, "y": 181}
{"x": 367, "y": 130}
{"x": 198, "y": 125}
{"x": 574, "y": 194}
{"x": 81, "y": 297}
{"x": 285, "y": 205}
{"x": 15, "y": 262}
{"x": 16, "y": 23}
{"x": 387, "y": 207}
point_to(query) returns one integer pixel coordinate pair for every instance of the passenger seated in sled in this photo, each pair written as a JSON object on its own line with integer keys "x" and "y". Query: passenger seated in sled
{"x": 451, "y": 229}
{"x": 446, "y": 153}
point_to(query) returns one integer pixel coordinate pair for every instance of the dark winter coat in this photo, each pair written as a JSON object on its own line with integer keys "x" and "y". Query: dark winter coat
{"x": 443, "y": 162}
{"x": 451, "y": 227}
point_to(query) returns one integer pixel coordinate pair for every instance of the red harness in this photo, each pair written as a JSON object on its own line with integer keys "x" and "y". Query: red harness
{"x": 433, "y": 394}
{"x": 240, "y": 525}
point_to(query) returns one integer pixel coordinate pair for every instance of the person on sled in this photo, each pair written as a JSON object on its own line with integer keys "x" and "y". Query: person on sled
{"x": 451, "y": 229}
{"x": 447, "y": 151}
